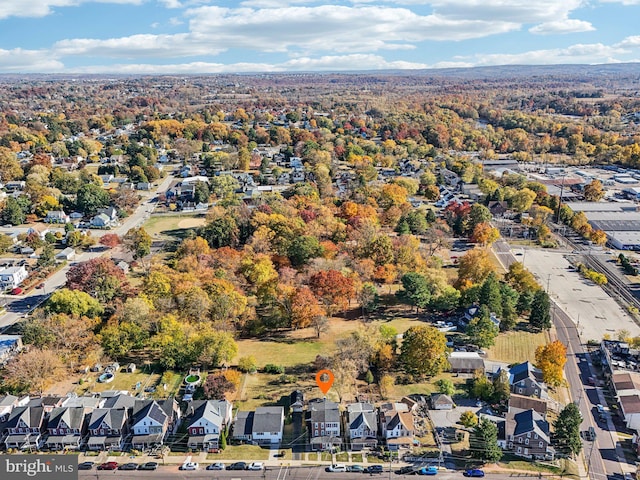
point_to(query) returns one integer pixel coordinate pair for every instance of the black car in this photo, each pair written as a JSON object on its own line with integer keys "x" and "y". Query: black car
{"x": 148, "y": 466}
{"x": 373, "y": 469}
{"x": 406, "y": 470}
{"x": 237, "y": 466}
{"x": 85, "y": 465}
{"x": 128, "y": 466}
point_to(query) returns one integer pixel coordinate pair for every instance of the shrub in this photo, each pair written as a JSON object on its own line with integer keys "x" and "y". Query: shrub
{"x": 248, "y": 364}
{"x": 274, "y": 369}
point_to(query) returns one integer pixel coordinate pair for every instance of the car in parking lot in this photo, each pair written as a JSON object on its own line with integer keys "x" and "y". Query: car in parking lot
{"x": 128, "y": 466}
{"x": 336, "y": 467}
{"x": 373, "y": 469}
{"x": 255, "y": 466}
{"x": 355, "y": 468}
{"x": 431, "y": 470}
{"x": 474, "y": 472}
{"x": 85, "y": 465}
{"x": 108, "y": 466}
{"x": 148, "y": 466}
{"x": 237, "y": 466}
{"x": 215, "y": 466}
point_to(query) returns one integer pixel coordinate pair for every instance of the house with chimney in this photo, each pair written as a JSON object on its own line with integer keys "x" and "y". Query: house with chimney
{"x": 323, "y": 423}
{"x": 25, "y": 427}
{"x": 207, "y": 419}
{"x": 66, "y": 428}
{"x": 362, "y": 419}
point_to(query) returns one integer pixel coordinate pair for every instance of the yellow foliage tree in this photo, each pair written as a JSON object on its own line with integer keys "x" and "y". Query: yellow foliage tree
{"x": 550, "y": 358}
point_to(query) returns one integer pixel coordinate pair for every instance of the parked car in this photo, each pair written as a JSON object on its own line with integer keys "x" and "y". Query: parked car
{"x": 355, "y": 468}
{"x": 16, "y": 291}
{"x": 590, "y": 434}
{"x": 108, "y": 466}
{"x": 148, "y": 466}
{"x": 215, "y": 466}
{"x": 474, "y": 472}
{"x": 85, "y": 465}
{"x": 255, "y": 466}
{"x": 237, "y": 466}
{"x": 128, "y": 466}
{"x": 189, "y": 466}
{"x": 336, "y": 467}
{"x": 408, "y": 469}
{"x": 428, "y": 471}
{"x": 373, "y": 469}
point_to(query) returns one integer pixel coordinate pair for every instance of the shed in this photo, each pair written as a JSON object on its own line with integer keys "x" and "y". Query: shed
{"x": 465, "y": 362}
{"x": 131, "y": 368}
{"x": 440, "y": 401}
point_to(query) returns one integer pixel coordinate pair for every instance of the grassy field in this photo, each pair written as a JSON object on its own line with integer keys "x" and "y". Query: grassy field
{"x": 517, "y": 346}
{"x": 169, "y": 224}
{"x": 427, "y": 388}
{"x": 245, "y": 452}
{"x": 285, "y": 352}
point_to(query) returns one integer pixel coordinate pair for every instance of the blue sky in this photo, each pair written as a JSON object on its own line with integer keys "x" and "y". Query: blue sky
{"x": 224, "y": 36}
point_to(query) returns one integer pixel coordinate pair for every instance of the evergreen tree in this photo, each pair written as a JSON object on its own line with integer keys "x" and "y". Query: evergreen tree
{"x": 540, "y": 316}
{"x": 567, "y": 430}
{"x": 490, "y": 294}
{"x": 484, "y": 442}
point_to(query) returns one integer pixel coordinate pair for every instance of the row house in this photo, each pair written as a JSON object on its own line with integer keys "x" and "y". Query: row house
{"x": 152, "y": 420}
{"x": 24, "y": 428}
{"x": 66, "y": 428}
{"x": 323, "y": 419}
{"x": 208, "y": 419}
{"x": 362, "y": 419}
{"x": 107, "y": 428}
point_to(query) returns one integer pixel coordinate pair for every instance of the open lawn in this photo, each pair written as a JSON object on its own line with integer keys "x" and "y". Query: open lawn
{"x": 285, "y": 352}
{"x": 517, "y": 346}
{"x": 169, "y": 224}
{"x": 245, "y": 452}
{"x": 121, "y": 381}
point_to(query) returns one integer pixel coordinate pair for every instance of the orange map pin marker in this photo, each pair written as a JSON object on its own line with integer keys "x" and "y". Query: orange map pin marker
{"x": 324, "y": 379}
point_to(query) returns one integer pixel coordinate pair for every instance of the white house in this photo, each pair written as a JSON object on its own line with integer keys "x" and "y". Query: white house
{"x": 67, "y": 254}
{"x": 208, "y": 419}
{"x": 11, "y": 277}
{"x": 268, "y": 424}
{"x": 56, "y": 216}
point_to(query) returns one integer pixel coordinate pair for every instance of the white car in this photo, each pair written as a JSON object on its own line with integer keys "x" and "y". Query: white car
{"x": 337, "y": 467}
{"x": 256, "y": 466}
{"x": 189, "y": 466}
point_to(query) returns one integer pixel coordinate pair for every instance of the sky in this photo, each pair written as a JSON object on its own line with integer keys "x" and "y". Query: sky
{"x": 247, "y": 36}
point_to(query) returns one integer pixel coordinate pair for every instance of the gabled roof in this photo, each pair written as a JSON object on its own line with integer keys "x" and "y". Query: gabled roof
{"x": 113, "y": 418}
{"x": 148, "y": 408}
{"x": 522, "y": 371}
{"x": 522, "y": 402}
{"x": 531, "y": 421}
{"x": 404, "y": 418}
{"x": 210, "y": 410}
{"x": 8, "y": 400}
{"x": 120, "y": 401}
{"x": 363, "y": 419}
{"x": 268, "y": 419}
{"x": 441, "y": 399}
{"x": 243, "y": 424}
{"x": 73, "y": 417}
{"x": 323, "y": 412}
{"x": 31, "y": 416}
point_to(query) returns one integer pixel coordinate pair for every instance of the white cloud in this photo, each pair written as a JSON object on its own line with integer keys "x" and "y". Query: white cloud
{"x": 19, "y": 60}
{"x": 567, "y": 25}
{"x": 629, "y": 42}
{"x": 623, "y": 2}
{"x": 42, "y": 8}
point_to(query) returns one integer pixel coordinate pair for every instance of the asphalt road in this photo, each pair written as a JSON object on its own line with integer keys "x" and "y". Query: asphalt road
{"x": 18, "y": 306}
{"x": 277, "y": 473}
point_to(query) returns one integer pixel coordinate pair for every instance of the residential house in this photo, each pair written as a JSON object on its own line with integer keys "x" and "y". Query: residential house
{"x": 440, "y": 401}
{"x": 323, "y": 418}
{"x": 144, "y": 186}
{"x": 10, "y": 345}
{"x": 525, "y": 379}
{"x": 362, "y": 419}
{"x": 48, "y": 403}
{"x": 498, "y": 208}
{"x": 66, "y": 428}
{"x": 397, "y": 426}
{"x": 208, "y": 420}
{"x": 41, "y": 230}
{"x": 57, "y": 216}
{"x": 15, "y": 186}
{"x": 8, "y": 403}
{"x": 24, "y": 428}
{"x": 68, "y": 253}
{"x": 243, "y": 426}
{"x": 11, "y": 277}
{"x": 465, "y": 362}
{"x": 268, "y": 424}
{"x": 630, "y": 409}
{"x": 528, "y": 435}
{"x": 107, "y": 428}
{"x": 520, "y": 403}
{"x": 151, "y": 420}
{"x": 105, "y": 217}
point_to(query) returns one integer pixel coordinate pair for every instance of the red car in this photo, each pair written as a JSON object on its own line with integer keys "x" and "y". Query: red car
{"x": 16, "y": 291}
{"x": 108, "y": 466}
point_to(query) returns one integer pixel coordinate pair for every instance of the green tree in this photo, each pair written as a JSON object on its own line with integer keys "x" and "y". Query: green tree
{"x": 137, "y": 241}
{"x": 368, "y": 377}
{"x": 368, "y": 298}
{"x": 468, "y": 419}
{"x": 478, "y": 214}
{"x": 483, "y": 441}
{"x": 47, "y": 257}
{"x": 424, "y": 351}
{"x": 567, "y": 430}
{"x": 13, "y": 213}
{"x": 490, "y": 294}
{"x": 445, "y": 386}
{"x": 223, "y": 439}
{"x": 5, "y": 242}
{"x": 501, "y": 387}
{"x": 248, "y": 364}
{"x": 90, "y": 198}
{"x": 304, "y": 248}
{"x": 415, "y": 290}
{"x": 509, "y": 315}
{"x": 482, "y": 331}
{"x": 540, "y": 316}
{"x": 73, "y": 302}
{"x": 201, "y": 194}
{"x": 222, "y": 231}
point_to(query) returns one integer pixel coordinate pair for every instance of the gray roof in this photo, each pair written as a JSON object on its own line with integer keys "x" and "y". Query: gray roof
{"x": 213, "y": 411}
{"x": 368, "y": 419}
{"x": 243, "y": 425}
{"x": 268, "y": 419}
{"x": 442, "y": 399}
{"x": 32, "y": 416}
{"x": 7, "y": 400}
{"x": 531, "y": 421}
{"x": 73, "y": 417}
{"x": 113, "y": 418}
{"x": 120, "y": 401}
{"x": 148, "y": 408}
{"x": 324, "y": 412}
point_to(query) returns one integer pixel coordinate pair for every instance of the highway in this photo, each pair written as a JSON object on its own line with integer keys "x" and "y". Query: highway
{"x": 604, "y": 457}
{"x": 19, "y": 306}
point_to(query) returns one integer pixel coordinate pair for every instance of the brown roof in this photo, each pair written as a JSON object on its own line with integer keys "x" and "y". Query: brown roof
{"x": 522, "y": 402}
{"x": 630, "y": 404}
{"x": 626, "y": 381}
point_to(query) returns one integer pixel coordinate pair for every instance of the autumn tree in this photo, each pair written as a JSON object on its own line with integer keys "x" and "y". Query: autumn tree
{"x": 484, "y": 234}
{"x": 217, "y": 386}
{"x": 594, "y": 192}
{"x": 73, "y": 302}
{"x": 33, "y": 371}
{"x": 138, "y": 242}
{"x": 550, "y": 358}
{"x": 424, "y": 351}
{"x": 100, "y": 278}
{"x": 110, "y": 240}
{"x": 520, "y": 278}
{"x": 333, "y": 288}
{"x": 474, "y": 266}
